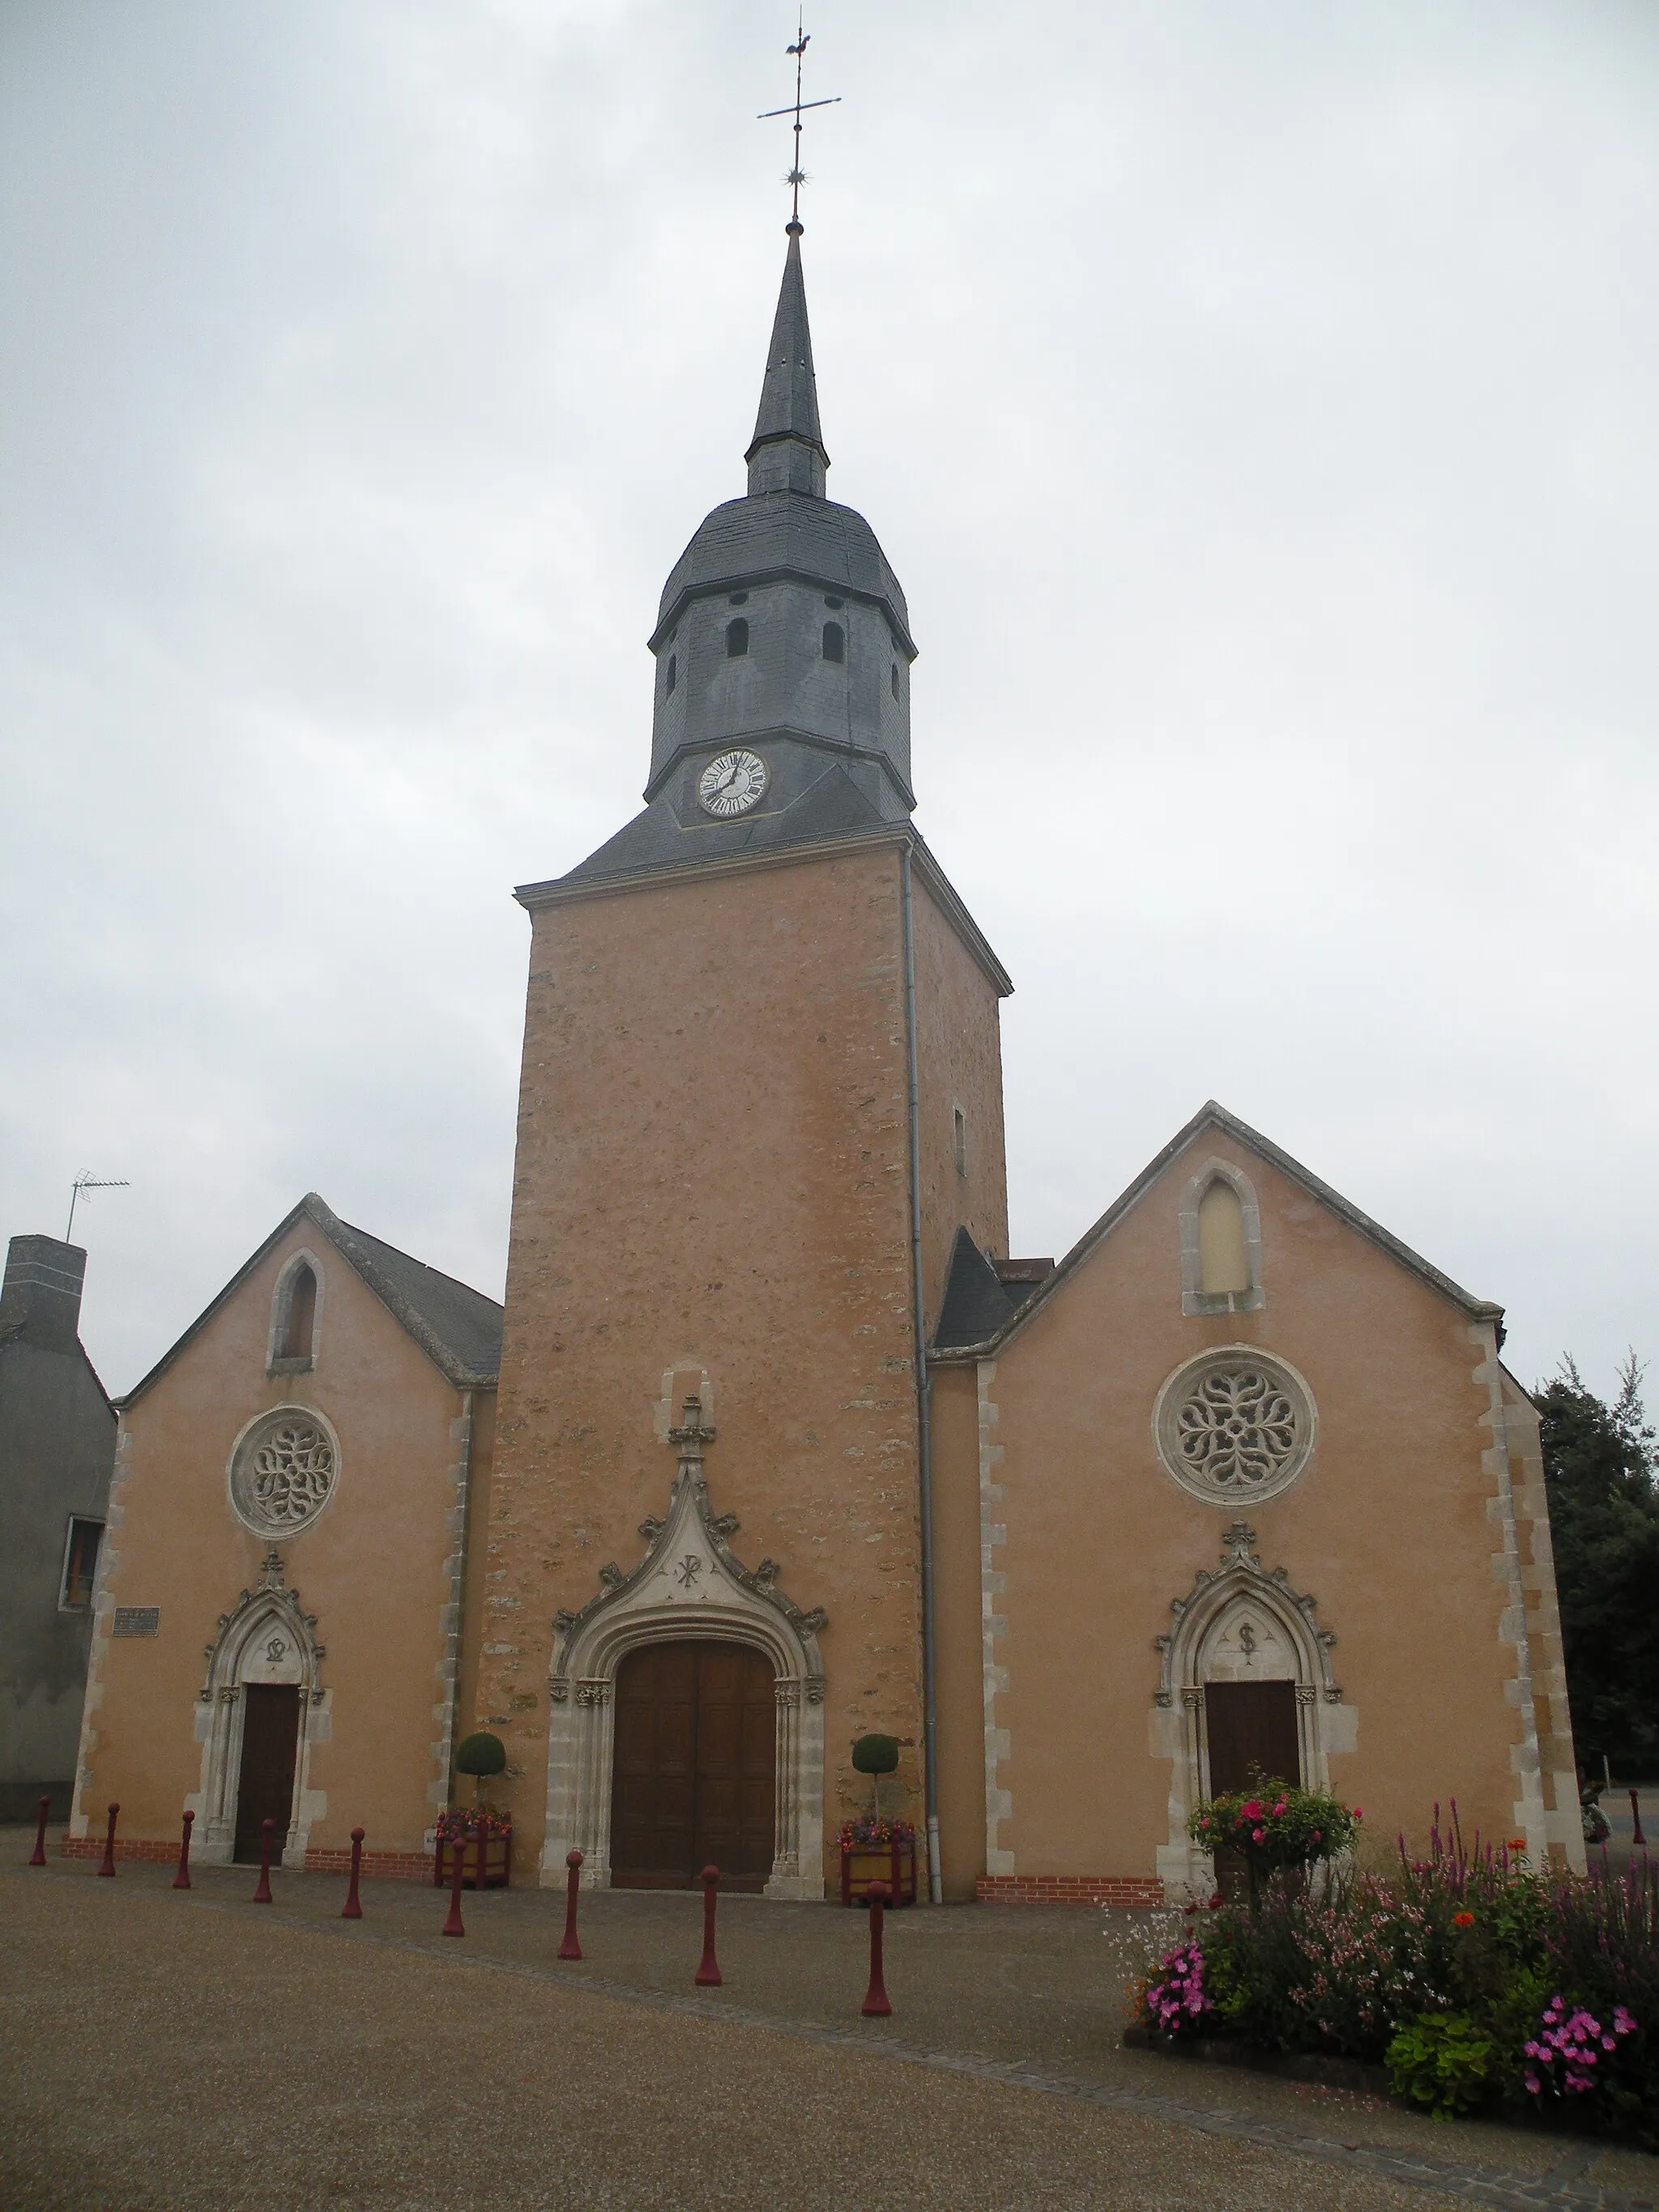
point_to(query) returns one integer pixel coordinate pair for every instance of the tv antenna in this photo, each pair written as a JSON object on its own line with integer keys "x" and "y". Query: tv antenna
{"x": 797, "y": 176}
{"x": 82, "y": 1184}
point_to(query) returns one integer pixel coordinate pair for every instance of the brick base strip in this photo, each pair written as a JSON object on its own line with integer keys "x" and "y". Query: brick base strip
{"x": 381, "y": 1866}
{"x": 384, "y": 1866}
{"x": 91, "y": 1847}
{"x": 1121, "y": 1889}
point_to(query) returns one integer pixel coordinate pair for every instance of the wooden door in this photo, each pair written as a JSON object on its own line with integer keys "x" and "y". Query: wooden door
{"x": 692, "y": 1773}
{"x": 1252, "y": 1732}
{"x": 270, "y": 1741}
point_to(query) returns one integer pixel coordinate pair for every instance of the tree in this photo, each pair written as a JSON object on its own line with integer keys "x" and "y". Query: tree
{"x": 1599, "y": 1465}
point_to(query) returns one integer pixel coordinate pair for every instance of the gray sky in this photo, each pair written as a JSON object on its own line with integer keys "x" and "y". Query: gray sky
{"x": 1255, "y": 400}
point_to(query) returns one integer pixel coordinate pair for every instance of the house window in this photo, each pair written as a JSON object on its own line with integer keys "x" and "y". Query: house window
{"x": 835, "y": 641}
{"x": 736, "y": 638}
{"x": 673, "y": 675}
{"x": 959, "y": 1139}
{"x": 296, "y": 1317}
{"x": 80, "y": 1565}
{"x": 895, "y": 679}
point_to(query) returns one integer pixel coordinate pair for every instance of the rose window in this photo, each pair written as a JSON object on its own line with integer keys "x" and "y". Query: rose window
{"x": 283, "y": 1471}
{"x": 1234, "y": 1425}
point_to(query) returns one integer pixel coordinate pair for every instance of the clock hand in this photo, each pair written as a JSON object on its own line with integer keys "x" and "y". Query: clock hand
{"x": 730, "y": 776}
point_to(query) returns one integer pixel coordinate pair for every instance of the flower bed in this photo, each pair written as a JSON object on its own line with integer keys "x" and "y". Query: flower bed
{"x": 873, "y": 1850}
{"x": 1479, "y": 1981}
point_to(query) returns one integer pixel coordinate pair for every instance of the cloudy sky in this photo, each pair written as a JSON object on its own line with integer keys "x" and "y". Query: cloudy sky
{"x": 1255, "y": 399}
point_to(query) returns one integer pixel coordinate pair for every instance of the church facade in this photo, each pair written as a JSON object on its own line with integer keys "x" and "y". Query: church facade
{"x": 781, "y": 1445}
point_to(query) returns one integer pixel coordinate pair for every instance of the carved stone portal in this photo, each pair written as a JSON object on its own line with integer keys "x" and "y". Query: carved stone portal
{"x": 688, "y": 1584}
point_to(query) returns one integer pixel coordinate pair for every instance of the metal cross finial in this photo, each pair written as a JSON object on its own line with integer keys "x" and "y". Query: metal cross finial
{"x": 797, "y": 176}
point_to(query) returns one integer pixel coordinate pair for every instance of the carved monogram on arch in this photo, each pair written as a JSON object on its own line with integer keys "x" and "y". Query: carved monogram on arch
{"x": 690, "y": 1570}
{"x": 1242, "y": 1572}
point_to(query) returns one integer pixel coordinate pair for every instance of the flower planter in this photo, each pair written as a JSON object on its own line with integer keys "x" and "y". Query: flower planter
{"x": 498, "y": 1857}
{"x": 895, "y": 1863}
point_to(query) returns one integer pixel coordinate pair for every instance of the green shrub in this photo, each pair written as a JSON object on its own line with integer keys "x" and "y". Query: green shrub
{"x": 1443, "y": 2061}
{"x": 876, "y": 1754}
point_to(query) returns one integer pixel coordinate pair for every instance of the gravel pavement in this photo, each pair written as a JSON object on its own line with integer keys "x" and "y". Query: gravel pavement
{"x": 167, "y": 2050}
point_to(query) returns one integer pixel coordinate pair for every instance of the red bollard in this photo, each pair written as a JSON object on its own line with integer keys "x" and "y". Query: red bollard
{"x": 181, "y": 1880}
{"x": 108, "y": 1866}
{"x": 262, "y": 1895}
{"x": 570, "y": 1948}
{"x": 876, "y": 2005}
{"x": 353, "y": 1907}
{"x": 708, "y": 1971}
{"x": 455, "y": 1925}
{"x": 1636, "y": 1815}
{"x": 39, "y": 1858}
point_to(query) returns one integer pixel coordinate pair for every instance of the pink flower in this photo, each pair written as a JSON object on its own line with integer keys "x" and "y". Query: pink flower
{"x": 1357, "y": 1814}
{"x": 1281, "y": 1806}
{"x": 1253, "y": 1810}
{"x": 1258, "y": 1835}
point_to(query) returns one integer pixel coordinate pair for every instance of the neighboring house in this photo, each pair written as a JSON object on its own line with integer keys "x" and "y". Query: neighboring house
{"x": 278, "y": 1627}
{"x": 56, "y": 1447}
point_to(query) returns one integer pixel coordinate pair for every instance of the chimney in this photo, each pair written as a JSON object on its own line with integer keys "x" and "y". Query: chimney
{"x": 41, "y": 1298}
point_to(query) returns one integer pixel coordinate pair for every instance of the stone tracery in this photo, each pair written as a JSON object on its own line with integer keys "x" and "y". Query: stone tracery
{"x": 283, "y": 1471}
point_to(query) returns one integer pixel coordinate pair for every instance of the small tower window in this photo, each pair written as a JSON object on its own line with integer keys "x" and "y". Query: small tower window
{"x": 1223, "y": 1263}
{"x": 837, "y": 604}
{"x": 835, "y": 641}
{"x": 673, "y": 675}
{"x": 895, "y": 679}
{"x": 737, "y": 638}
{"x": 301, "y": 1319}
{"x": 959, "y": 1139}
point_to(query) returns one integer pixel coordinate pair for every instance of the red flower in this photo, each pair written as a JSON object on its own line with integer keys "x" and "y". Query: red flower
{"x": 1252, "y": 1811}
{"x": 1357, "y": 1814}
{"x": 1215, "y": 1902}
{"x": 1463, "y": 1920}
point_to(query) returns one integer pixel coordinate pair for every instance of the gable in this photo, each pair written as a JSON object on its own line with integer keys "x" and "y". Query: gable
{"x": 457, "y": 1328}
{"x": 1185, "y": 1153}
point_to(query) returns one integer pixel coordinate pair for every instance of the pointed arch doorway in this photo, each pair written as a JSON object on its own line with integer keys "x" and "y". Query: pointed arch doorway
{"x": 694, "y": 1765}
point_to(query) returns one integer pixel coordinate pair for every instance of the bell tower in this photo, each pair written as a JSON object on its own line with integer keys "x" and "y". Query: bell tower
{"x": 761, "y": 1094}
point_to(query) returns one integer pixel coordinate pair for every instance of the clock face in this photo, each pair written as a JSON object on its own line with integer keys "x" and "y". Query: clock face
{"x": 732, "y": 784}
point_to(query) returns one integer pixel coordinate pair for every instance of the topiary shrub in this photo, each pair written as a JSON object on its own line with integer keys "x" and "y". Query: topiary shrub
{"x": 481, "y": 1755}
{"x": 876, "y": 1755}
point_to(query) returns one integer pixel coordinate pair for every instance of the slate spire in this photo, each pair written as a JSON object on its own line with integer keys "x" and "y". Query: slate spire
{"x": 788, "y": 454}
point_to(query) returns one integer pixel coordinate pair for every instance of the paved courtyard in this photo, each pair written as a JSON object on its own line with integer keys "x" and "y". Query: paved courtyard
{"x": 164, "y": 2050}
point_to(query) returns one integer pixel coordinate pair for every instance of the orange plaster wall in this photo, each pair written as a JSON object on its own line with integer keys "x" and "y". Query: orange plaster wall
{"x": 961, "y": 1672}
{"x": 713, "y": 1178}
{"x": 371, "y": 1568}
{"x": 1389, "y": 1528}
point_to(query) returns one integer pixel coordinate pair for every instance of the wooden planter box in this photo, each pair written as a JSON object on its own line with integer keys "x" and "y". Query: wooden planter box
{"x": 894, "y": 1865}
{"x": 498, "y": 1862}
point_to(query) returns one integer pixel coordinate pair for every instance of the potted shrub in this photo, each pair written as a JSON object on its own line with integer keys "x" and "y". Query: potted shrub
{"x": 872, "y": 1848}
{"x": 1272, "y": 1825}
{"x": 480, "y": 1756}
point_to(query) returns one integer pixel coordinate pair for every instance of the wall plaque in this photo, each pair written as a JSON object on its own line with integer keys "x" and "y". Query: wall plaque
{"x": 138, "y": 1620}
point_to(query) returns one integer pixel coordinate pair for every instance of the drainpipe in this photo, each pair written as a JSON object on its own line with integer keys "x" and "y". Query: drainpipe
{"x": 929, "y": 1668}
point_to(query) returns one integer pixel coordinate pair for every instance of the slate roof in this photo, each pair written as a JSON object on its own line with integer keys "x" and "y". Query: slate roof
{"x": 458, "y": 1328}
{"x": 784, "y": 533}
{"x": 831, "y": 806}
{"x": 1211, "y": 1115}
{"x": 789, "y": 393}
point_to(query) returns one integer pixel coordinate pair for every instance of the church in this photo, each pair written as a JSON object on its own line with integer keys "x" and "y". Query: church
{"x": 775, "y": 1443}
